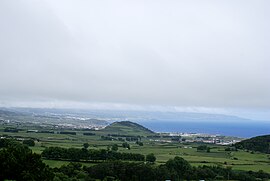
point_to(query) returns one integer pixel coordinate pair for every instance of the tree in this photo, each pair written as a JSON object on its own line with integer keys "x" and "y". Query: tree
{"x": 29, "y": 142}
{"x": 179, "y": 167}
{"x": 19, "y": 163}
{"x": 150, "y": 158}
{"x": 126, "y": 145}
{"x": 86, "y": 145}
{"x": 114, "y": 147}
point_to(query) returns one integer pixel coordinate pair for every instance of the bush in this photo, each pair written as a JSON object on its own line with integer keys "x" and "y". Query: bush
{"x": 29, "y": 142}
{"x": 203, "y": 148}
{"x": 114, "y": 147}
{"x": 139, "y": 143}
{"x": 126, "y": 145}
{"x": 86, "y": 145}
{"x": 150, "y": 158}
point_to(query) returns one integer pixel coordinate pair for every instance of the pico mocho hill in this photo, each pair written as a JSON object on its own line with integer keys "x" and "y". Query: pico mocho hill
{"x": 127, "y": 128}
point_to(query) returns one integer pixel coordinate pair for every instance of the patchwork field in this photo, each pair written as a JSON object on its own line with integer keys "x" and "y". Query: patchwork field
{"x": 238, "y": 160}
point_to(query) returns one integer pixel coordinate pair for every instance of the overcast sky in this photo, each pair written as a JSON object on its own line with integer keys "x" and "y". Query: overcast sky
{"x": 192, "y": 53}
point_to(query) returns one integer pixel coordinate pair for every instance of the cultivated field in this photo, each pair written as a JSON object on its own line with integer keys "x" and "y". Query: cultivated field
{"x": 238, "y": 160}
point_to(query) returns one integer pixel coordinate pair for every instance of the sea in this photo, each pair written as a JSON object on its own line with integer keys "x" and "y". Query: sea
{"x": 240, "y": 129}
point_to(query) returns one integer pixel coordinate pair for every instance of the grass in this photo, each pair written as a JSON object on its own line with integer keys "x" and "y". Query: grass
{"x": 240, "y": 160}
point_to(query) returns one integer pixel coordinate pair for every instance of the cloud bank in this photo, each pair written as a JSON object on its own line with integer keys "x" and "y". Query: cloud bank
{"x": 177, "y": 53}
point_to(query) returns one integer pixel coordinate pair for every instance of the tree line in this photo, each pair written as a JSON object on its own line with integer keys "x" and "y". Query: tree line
{"x": 76, "y": 154}
{"x": 175, "y": 169}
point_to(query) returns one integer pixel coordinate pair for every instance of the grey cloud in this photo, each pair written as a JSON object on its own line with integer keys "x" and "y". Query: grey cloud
{"x": 182, "y": 53}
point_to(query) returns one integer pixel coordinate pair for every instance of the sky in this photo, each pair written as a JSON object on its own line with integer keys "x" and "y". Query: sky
{"x": 182, "y": 55}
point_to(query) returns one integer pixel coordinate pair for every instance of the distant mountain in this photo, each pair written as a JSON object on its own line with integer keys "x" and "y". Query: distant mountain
{"x": 7, "y": 113}
{"x": 259, "y": 143}
{"x": 127, "y": 128}
{"x": 10, "y": 113}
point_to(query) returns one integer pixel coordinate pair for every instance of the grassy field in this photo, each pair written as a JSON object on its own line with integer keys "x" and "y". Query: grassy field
{"x": 238, "y": 160}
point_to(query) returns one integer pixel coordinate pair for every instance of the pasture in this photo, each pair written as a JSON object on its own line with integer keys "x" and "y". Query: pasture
{"x": 237, "y": 160}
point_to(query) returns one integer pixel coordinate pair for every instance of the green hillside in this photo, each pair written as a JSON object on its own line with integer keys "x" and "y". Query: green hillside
{"x": 259, "y": 143}
{"x": 127, "y": 128}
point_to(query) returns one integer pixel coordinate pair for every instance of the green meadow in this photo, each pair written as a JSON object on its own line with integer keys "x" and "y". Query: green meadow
{"x": 237, "y": 160}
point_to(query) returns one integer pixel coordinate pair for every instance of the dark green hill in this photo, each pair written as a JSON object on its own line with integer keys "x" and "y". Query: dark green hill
{"x": 127, "y": 128}
{"x": 259, "y": 143}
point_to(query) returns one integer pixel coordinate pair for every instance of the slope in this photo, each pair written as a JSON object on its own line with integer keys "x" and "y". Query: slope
{"x": 127, "y": 128}
{"x": 259, "y": 143}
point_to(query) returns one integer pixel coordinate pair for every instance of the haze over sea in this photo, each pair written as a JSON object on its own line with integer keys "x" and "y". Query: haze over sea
{"x": 239, "y": 129}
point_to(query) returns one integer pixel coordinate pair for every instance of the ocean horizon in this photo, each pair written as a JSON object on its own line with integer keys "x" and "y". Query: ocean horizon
{"x": 238, "y": 129}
